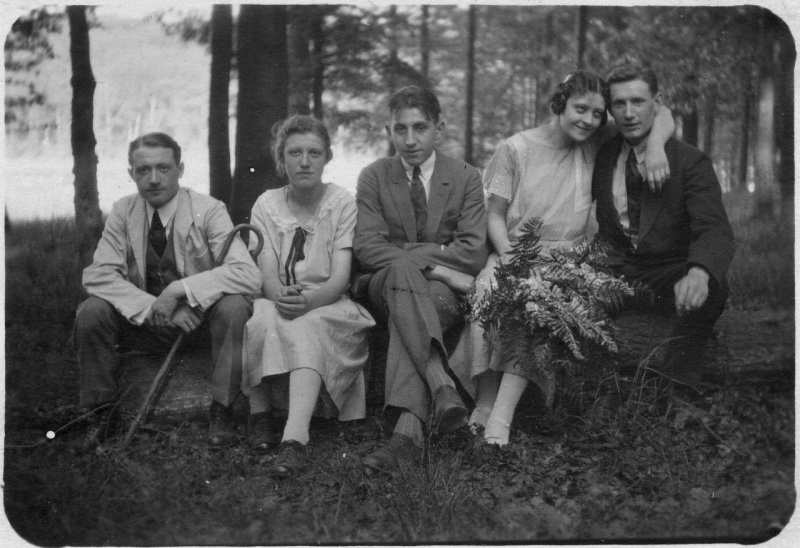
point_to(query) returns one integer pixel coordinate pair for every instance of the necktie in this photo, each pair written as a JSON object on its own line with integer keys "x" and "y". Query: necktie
{"x": 157, "y": 234}
{"x": 633, "y": 186}
{"x": 420, "y": 203}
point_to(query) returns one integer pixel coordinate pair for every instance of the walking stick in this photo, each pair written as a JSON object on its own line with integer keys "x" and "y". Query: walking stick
{"x": 160, "y": 377}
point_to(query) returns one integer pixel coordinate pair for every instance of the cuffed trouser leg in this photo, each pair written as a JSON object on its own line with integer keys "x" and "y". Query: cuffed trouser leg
{"x": 227, "y": 318}
{"x": 96, "y": 332}
{"x": 418, "y": 311}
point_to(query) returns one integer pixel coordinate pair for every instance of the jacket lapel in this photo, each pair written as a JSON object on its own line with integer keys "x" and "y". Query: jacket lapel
{"x": 180, "y": 228}
{"x": 138, "y": 235}
{"x": 401, "y": 194}
{"x": 439, "y": 193}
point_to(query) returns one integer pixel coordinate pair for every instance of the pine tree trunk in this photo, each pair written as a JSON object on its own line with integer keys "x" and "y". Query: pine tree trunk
{"x": 299, "y": 59}
{"x": 784, "y": 118}
{"x": 470, "y": 99}
{"x": 219, "y": 151}
{"x": 580, "y": 31}
{"x": 744, "y": 149}
{"x": 424, "y": 44}
{"x": 711, "y": 118}
{"x": 88, "y": 219}
{"x": 263, "y": 97}
{"x": 318, "y": 44}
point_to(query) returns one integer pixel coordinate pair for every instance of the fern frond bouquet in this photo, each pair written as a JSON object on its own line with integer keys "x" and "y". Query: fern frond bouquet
{"x": 544, "y": 308}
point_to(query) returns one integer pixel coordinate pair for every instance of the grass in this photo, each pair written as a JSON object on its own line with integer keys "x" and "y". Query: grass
{"x": 641, "y": 472}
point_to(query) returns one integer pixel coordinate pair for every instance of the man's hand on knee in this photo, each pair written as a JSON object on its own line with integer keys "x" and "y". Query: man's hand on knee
{"x": 164, "y": 306}
{"x": 186, "y": 318}
{"x": 691, "y": 291}
{"x": 454, "y": 279}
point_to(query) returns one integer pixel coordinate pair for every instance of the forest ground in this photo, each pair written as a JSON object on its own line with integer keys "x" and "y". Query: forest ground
{"x": 722, "y": 470}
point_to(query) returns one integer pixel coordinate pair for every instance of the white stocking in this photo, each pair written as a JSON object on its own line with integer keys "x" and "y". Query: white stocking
{"x": 498, "y": 426}
{"x": 304, "y": 385}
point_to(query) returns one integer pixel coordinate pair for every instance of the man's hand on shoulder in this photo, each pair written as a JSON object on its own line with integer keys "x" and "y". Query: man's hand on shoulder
{"x": 186, "y": 318}
{"x": 691, "y": 291}
{"x": 164, "y": 306}
{"x": 454, "y": 279}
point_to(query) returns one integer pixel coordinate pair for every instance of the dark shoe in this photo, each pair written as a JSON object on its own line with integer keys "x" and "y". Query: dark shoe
{"x": 291, "y": 459}
{"x": 261, "y": 432}
{"x": 449, "y": 412}
{"x": 400, "y": 449}
{"x": 222, "y": 431}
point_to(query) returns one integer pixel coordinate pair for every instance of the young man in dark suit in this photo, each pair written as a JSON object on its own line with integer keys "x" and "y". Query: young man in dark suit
{"x": 675, "y": 239}
{"x": 421, "y": 231}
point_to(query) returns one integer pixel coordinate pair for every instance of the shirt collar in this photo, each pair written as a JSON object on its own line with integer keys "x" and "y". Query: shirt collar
{"x": 165, "y": 212}
{"x": 425, "y": 169}
{"x": 638, "y": 150}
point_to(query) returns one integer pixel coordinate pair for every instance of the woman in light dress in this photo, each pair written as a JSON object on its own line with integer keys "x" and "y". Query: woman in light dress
{"x": 545, "y": 172}
{"x": 305, "y": 345}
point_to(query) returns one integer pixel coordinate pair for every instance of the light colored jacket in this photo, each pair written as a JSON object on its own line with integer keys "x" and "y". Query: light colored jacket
{"x": 200, "y": 227}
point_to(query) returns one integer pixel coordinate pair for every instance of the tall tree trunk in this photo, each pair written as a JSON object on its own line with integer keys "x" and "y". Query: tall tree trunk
{"x": 263, "y": 97}
{"x": 318, "y": 64}
{"x": 745, "y": 132}
{"x": 391, "y": 77}
{"x": 711, "y": 119}
{"x": 691, "y": 126}
{"x": 424, "y": 44}
{"x": 88, "y": 219}
{"x": 219, "y": 146}
{"x": 580, "y": 31}
{"x": 299, "y": 59}
{"x": 784, "y": 118}
{"x": 470, "y": 99}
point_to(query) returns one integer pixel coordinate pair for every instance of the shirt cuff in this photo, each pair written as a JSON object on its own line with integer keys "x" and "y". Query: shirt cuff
{"x": 139, "y": 319}
{"x": 190, "y": 298}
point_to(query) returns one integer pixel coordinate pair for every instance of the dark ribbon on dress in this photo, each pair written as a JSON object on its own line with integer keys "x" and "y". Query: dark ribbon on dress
{"x": 295, "y": 255}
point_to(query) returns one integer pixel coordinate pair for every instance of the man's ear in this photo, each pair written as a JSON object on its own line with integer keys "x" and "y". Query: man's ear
{"x": 440, "y": 129}
{"x": 130, "y": 173}
{"x": 388, "y": 131}
{"x": 180, "y": 168}
{"x": 659, "y": 99}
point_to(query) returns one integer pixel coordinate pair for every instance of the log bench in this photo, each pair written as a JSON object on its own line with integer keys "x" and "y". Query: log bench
{"x": 738, "y": 349}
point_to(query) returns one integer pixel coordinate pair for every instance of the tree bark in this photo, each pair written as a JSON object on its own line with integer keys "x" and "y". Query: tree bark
{"x": 88, "y": 219}
{"x": 784, "y": 119}
{"x": 263, "y": 97}
{"x": 691, "y": 126}
{"x": 580, "y": 31}
{"x": 318, "y": 76}
{"x": 470, "y": 99}
{"x": 300, "y": 66}
{"x": 219, "y": 148}
{"x": 424, "y": 44}
{"x": 745, "y": 141}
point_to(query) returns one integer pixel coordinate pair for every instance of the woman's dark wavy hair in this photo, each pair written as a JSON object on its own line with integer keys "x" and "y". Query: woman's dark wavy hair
{"x": 298, "y": 123}
{"x": 578, "y": 83}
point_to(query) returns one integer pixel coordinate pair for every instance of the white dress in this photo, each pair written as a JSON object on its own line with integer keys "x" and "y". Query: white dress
{"x": 332, "y": 339}
{"x": 539, "y": 179}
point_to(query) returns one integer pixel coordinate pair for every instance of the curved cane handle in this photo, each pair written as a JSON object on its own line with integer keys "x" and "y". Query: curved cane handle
{"x": 229, "y": 240}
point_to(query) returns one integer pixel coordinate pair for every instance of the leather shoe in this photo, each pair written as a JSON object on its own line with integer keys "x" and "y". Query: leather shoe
{"x": 449, "y": 412}
{"x": 222, "y": 430}
{"x": 291, "y": 459}
{"x": 261, "y": 432}
{"x": 400, "y": 449}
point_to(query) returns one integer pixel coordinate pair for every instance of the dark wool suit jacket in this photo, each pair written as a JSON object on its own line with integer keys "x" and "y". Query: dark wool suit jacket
{"x": 386, "y": 227}
{"x": 685, "y": 220}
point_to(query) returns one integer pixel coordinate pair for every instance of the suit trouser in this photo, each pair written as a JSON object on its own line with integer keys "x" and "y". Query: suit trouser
{"x": 99, "y": 328}
{"x": 418, "y": 312}
{"x": 690, "y": 332}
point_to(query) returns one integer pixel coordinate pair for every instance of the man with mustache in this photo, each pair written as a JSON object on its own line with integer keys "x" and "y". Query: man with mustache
{"x": 154, "y": 274}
